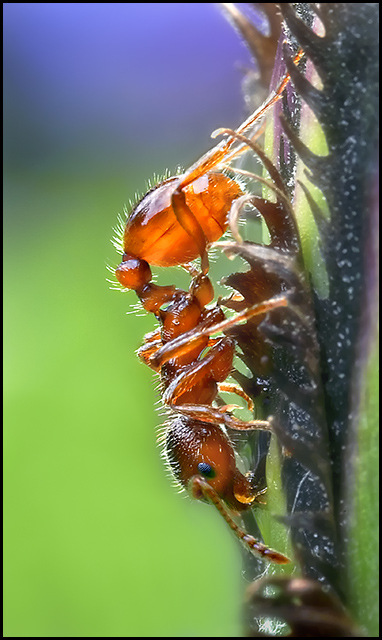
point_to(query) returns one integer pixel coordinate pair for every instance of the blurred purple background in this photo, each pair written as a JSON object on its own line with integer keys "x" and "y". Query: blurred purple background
{"x": 108, "y": 85}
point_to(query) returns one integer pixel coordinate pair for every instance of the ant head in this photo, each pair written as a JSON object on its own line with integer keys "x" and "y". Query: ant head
{"x": 196, "y": 448}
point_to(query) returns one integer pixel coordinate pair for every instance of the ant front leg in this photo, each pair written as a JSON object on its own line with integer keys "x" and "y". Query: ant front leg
{"x": 200, "y": 487}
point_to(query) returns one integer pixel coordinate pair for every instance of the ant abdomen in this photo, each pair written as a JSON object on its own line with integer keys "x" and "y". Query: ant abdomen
{"x": 197, "y": 449}
{"x": 208, "y": 199}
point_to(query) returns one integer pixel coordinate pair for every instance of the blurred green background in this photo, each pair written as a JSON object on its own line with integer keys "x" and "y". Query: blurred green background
{"x": 98, "y": 97}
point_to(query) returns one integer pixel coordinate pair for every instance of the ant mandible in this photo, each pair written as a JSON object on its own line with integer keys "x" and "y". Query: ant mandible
{"x": 172, "y": 225}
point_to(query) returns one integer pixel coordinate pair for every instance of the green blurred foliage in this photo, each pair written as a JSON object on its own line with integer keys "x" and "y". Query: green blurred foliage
{"x": 97, "y": 542}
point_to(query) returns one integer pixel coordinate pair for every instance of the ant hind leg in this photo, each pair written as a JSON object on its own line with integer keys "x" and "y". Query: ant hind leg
{"x": 190, "y": 224}
{"x": 207, "y": 413}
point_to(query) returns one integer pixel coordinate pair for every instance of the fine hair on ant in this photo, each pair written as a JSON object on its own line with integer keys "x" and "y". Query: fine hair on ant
{"x": 172, "y": 225}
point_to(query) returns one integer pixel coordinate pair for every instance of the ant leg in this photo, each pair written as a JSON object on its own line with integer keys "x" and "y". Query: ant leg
{"x": 152, "y": 335}
{"x": 201, "y": 288}
{"x": 258, "y": 493}
{"x": 194, "y": 389}
{"x": 275, "y": 97}
{"x": 186, "y": 342}
{"x": 219, "y": 153}
{"x": 207, "y": 413}
{"x": 152, "y": 342}
{"x": 191, "y": 225}
{"x": 197, "y": 383}
{"x": 234, "y": 388}
{"x": 277, "y": 184}
{"x": 201, "y": 488}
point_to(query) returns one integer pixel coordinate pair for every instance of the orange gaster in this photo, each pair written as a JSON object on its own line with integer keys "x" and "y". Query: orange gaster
{"x": 173, "y": 224}
{"x": 153, "y": 231}
{"x": 177, "y": 219}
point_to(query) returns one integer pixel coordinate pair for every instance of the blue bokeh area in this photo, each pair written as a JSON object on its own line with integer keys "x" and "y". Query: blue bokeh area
{"x": 98, "y": 97}
{"x": 118, "y": 79}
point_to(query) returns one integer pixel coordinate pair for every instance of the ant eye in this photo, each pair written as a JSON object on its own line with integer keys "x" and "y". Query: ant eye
{"x": 206, "y": 470}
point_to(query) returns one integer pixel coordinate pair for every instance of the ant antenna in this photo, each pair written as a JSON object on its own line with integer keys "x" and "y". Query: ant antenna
{"x": 201, "y": 487}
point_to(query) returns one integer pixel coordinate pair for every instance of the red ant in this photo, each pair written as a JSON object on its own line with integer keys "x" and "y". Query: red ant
{"x": 199, "y": 452}
{"x": 173, "y": 224}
